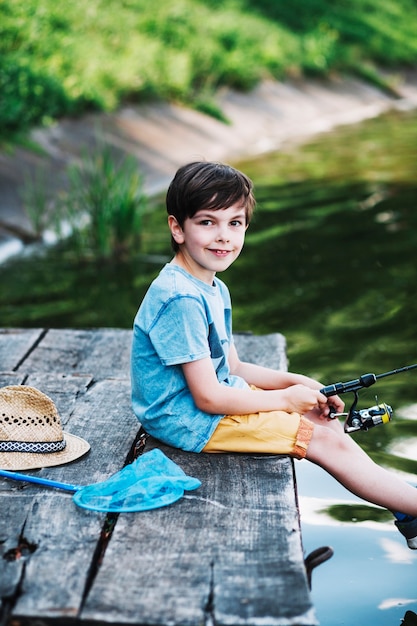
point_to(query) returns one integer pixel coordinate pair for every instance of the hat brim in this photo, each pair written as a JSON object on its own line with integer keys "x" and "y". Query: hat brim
{"x": 74, "y": 449}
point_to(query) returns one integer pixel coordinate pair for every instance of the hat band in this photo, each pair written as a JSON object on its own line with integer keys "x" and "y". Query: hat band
{"x": 39, "y": 447}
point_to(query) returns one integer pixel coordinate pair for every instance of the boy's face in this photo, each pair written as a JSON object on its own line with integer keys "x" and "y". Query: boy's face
{"x": 210, "y": 240}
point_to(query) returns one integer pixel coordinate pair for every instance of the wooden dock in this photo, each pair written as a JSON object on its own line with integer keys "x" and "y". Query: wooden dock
{"x": 227, "y": 554}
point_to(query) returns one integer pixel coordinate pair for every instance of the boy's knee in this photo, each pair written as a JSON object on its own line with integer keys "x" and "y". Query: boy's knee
{"x": 325, "y": 439}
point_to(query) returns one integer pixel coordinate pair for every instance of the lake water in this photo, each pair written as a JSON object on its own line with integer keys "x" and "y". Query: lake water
{"x": 330, "y": 262}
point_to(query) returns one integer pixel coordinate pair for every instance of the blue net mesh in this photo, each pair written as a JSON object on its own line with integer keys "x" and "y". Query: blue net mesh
{"x": 151, "y": 481}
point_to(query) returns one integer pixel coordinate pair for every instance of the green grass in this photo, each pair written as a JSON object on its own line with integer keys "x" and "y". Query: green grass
{"x": 65, "y": 58}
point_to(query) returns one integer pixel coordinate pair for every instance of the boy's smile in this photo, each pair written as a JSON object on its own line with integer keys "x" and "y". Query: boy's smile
{"x": 210, "y": 240}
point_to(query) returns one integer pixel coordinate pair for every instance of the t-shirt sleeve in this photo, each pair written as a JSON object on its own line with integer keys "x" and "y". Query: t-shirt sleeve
{"x": 180, "y": 331}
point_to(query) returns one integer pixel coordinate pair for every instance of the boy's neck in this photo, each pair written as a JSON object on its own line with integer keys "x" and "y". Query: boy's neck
{"x": 205, "y": 276}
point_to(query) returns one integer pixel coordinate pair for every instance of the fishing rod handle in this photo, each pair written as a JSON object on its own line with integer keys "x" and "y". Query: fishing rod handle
{"x": 366, "y": 380}
{"x": 332, "y": 390}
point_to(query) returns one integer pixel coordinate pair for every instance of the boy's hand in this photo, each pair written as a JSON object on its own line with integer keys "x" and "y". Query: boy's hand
{"x": 334, "y": 404}
{"x": 302, "y": 399}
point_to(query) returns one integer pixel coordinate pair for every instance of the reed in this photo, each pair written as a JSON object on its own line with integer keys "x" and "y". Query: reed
{"x": 104, "y": 204}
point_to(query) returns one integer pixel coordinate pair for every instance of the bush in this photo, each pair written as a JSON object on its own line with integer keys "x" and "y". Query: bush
{"x": 29, "y": 97}
{"x": 60, "y": 58}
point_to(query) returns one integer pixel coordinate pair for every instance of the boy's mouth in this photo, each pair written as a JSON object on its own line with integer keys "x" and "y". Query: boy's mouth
{"x": 218, "y": 252}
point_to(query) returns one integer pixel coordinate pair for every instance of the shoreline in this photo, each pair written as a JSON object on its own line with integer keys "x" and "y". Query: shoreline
{"x": 163, "y": 136}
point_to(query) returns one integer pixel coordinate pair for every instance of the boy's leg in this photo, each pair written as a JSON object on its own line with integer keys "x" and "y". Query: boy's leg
{"x": 345, "y": 460}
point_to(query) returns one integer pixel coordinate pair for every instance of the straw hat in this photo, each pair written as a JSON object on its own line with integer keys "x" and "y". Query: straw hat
{"x": 31, "y": 434}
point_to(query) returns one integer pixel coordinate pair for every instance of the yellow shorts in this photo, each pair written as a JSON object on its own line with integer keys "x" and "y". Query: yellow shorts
{"x": 272, "y": 432}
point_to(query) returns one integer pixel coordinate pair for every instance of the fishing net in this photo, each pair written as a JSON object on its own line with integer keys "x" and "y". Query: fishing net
{"x": 151, "y": 481}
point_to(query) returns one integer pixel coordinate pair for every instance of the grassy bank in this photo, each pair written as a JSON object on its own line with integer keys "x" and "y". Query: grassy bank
{"x": 67, "y": 58}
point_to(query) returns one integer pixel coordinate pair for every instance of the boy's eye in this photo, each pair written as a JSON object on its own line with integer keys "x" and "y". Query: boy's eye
{"x": 206, "y": 222}
{"x": 236, "y": 223}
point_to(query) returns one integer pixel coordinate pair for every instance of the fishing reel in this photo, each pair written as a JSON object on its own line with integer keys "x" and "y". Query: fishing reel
{"x": 364, "y": 419}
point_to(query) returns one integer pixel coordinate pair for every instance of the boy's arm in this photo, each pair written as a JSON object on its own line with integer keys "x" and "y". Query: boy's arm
{"x": 212, "y": 397}
{"x": 265, "y": 377}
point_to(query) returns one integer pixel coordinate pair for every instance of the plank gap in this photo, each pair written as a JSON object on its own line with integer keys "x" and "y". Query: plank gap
{"x": 136, "y": 449}
{"x": 209, "y": 609}
{"x": 31, "y": 349}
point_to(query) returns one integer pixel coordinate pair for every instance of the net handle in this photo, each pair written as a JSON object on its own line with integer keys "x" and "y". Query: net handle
{"x": 39, "y": 481}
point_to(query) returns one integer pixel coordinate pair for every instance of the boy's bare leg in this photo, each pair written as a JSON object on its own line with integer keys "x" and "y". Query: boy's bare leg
{"x": 337, "y": 453}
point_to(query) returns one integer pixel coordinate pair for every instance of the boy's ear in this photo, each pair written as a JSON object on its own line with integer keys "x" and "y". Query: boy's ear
{"x": 176, "y": 230}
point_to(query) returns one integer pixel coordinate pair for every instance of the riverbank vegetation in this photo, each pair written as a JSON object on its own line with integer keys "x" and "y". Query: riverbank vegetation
{"x": 103, "y": 205}
{"x": 60, "y": 59}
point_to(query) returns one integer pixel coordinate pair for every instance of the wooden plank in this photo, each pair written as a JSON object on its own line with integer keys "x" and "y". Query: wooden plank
{"x": 267, "y": 350}
{"x": 20, "y": 503}
{"x": 228, "y": 553}
{"x": 54, "y": 570}
{"x": 102, "y": 352}
{"x": 37, "y": 581}
{"x": 13, "y": 512}
{"x": 52, "y": 583}
{"x": 11, "y": 378}
{"x": 15, "y": 344}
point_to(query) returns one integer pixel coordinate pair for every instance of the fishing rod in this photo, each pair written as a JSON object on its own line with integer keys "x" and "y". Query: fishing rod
{"x": 365, "y": 418}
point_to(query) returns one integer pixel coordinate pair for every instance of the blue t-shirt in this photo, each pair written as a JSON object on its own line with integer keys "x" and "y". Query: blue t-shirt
{"x": 181, "y": 319}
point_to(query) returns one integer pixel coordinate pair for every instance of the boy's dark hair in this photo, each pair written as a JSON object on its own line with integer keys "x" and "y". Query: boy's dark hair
{"x": 205, "y": 185}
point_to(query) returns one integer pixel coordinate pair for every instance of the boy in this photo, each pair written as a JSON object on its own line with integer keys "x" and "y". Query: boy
{"x": 189, "y": 388}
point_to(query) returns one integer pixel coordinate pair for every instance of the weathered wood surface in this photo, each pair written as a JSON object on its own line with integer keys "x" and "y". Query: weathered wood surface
{"x": 227, "y": 553}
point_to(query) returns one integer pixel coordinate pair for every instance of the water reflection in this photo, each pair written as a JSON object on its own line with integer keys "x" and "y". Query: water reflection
{"x": 372, "y": 575}
{"x": 329, "y": 262}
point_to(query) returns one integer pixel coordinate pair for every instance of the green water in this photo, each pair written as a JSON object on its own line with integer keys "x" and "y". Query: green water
{"x": 330, "y": 262}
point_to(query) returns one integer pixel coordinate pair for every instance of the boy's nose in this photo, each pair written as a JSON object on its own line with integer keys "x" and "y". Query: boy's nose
{"x": 222, "y": 235}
